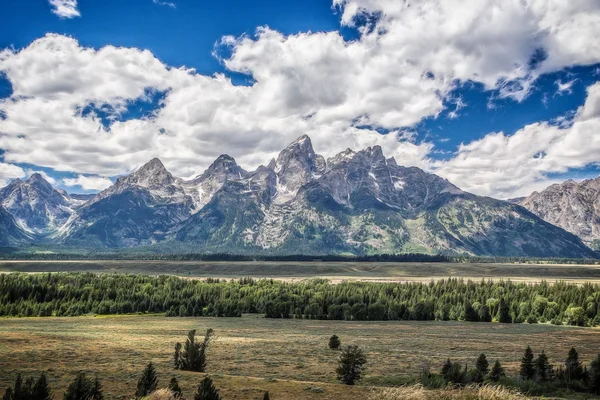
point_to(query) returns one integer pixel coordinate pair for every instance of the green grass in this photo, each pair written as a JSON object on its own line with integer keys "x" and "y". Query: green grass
{"x": 251, "y": 355}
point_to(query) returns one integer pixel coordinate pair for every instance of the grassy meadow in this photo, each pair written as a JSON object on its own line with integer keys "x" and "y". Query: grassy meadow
{"x": 335, "y": 271}
{"x": 289, "y": 358}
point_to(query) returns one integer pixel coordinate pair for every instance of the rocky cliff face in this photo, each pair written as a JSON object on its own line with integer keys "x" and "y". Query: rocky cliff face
{"x": 573, "y": 206}
{"x": 362, "y": 203}
{"x": 358, "y": 202}
{"x": 10, "y": 232}
{"x": 36, "y": 206}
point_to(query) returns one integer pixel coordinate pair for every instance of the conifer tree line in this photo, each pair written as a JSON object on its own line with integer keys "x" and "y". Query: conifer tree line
{"x": 570, "y": 374}
{"x": 73, "y": 294}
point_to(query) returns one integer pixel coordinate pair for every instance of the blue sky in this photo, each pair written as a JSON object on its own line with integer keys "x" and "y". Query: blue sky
{"x": 347, "y": 73}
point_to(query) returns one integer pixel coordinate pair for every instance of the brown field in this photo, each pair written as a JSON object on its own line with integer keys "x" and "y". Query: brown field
{"x": 251, "y": 355}
{"x": 335, "y": 271}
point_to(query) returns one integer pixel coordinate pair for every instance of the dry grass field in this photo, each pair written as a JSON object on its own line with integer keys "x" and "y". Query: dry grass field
{"x": 289, "y": 358}
{"x": 335, "y": 271}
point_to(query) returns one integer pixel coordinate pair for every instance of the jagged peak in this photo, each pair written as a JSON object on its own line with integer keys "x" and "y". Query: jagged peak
{"x": 150, "y": 174}
{"x": 153, "y": 165}
{"x": 303, "y": 139}
{"x": 303, "y": 142}
{"x": 37, "y": 177}
{"x": 223, "y": 161}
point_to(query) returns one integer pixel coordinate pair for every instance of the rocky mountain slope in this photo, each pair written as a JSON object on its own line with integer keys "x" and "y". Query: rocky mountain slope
{"x": 358, "y": 202}
{"x": 10, "y": 233}
{"x": 573, "y": 206}
{"x": 36, "y": 206}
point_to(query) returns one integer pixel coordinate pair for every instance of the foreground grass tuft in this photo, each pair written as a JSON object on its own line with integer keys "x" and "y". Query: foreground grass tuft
{"x": 417, "y": 392}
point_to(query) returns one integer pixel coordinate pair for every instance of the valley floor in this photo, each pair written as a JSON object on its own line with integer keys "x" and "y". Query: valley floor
{"x": 335, "y": 271}
{"x": 289, "y": 358}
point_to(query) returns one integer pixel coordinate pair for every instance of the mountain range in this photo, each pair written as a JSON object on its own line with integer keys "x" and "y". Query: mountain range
{"x": 573, "y": 206}
{"x": 357, "y": 202}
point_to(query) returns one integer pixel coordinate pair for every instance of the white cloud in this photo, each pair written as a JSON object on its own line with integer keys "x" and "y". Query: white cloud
{"x": 400, "y": 70}
{"x": 516, "y": 165}
{"x": 88, "y": 182}
{"x": 8, "y": 172}
{"x": 564, "y": 87}
{"x": 164, "y": 3}
{"x": 65, "y": 8}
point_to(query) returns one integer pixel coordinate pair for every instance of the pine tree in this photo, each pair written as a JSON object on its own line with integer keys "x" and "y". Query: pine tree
{"x": 177, "y": 357}
{"x": 504, "y": 312}
{"x": 19, "y": 391}
{"x": 28, "y": 389}
{"x": 595, "y": 375}
{"x": 543, "y": 370}
{"x": 147, "y": 383}
{"x": 527, "y": 366}
{"x": 266, "y": 396}
{"x": 469, "y": 313}
{"x": 207, "y": 390}
{"x": 351, "y": 365}
{"x": 96, "y": 391}
{"x": 482, "y": 367}
{"x": 334, "y": 342}
{"x": 446, "y": 368}
{"x": 574, "y": 369}
{"x": 497, "y": 372}
{"x": 41, "y": 389}
{"x": 8, "y": 394}
{"x": 174, "y": 387}
{"x": 484, "y": 314}
{"x": 83, "y": 388}
{"x": 193, "y": 356}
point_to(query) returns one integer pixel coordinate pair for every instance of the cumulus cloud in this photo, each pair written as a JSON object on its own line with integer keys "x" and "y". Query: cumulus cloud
{"x": 403, "y": 67}
{"x": 510, "y": 166}
{"x": 8, "y": 172}
{"x": 88, "y": 182}
{"x": 65, "y": 8}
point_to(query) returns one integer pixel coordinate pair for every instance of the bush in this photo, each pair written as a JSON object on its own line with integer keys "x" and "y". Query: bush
{"x": 334, "y": 342}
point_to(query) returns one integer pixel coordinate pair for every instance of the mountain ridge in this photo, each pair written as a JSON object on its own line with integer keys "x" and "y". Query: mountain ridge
{"x": 573, "y": 206}
{"x": 357, "y": 202}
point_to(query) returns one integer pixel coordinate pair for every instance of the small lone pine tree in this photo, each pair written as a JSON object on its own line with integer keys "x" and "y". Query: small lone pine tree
{"x": 351, "y": 365}
{"x": 527, "y": 370}
{"x": 453, "y": 372}
{"x": 147, "y": 382}
{"x": 193, "y": 356}
{"x": 174, "y": 387}
{"x": 334, "y": 342}
{"x": 482, "y": 366}
{"x": 207, "y": 390}
{"x": 573, "y": 368}
{"x": 543, "y": 369}
{"x": 83, "y": 388}
{"x": 266, "y": 396}
{"x": 497, "y": 372}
